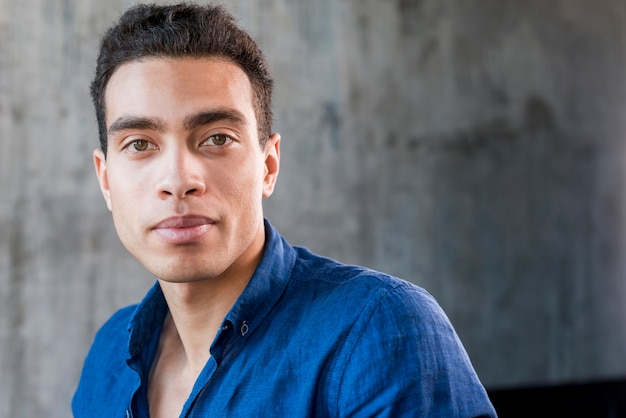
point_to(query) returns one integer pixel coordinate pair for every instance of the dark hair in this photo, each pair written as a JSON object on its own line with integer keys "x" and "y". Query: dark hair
{"x": 182, "y": 30}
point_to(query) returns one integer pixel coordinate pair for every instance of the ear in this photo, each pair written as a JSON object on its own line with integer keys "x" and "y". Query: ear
{"x": 100, "y": 164}
{"x": 272, "y": 164}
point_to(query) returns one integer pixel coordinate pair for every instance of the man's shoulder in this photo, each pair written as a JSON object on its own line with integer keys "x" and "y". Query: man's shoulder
{"x": 104, "y": 383}
{"x": 114, "y": 331}
{"x": 311, "y": 266}
{"x": 117, "y": 323}
{"x": 360, "y": 283}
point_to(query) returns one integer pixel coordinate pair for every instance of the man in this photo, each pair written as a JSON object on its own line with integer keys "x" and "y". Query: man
{"x": 239, "y": 322}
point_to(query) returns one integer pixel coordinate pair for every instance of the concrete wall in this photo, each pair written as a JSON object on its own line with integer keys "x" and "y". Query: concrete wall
{"x": 472, "y": 147}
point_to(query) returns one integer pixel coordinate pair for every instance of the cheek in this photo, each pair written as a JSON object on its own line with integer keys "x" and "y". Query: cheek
{"x": 125, "y": 201}
{"x": 243, "y": 191}
{"x": 121, "y": 214}
{"x": 246, "y": 180}
{"x": 129, "y": 183}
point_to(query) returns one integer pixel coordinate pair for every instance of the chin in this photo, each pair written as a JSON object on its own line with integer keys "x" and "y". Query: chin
{"x": 183, "y": 275}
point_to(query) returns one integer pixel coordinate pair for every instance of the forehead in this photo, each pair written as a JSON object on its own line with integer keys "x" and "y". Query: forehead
{"x": 177, "y": 86}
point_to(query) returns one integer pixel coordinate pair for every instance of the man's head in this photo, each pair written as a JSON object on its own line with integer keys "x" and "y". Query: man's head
{"x": 178, "y": 31}
{"x": 183, "y": 99}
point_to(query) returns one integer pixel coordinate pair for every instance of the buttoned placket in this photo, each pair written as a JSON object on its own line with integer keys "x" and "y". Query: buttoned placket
{"x": 222, "y": 344}
{"x": 219, "y": 350}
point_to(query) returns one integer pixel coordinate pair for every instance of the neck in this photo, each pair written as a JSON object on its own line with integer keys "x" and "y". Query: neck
{"x": 196, "y": 313}
{"x": 197, "y": 310}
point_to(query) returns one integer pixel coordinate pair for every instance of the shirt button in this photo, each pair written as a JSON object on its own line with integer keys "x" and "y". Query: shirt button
{"x": 244, "y": 328}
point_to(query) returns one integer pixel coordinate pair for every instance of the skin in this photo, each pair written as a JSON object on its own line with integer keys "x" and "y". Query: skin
{"x": 184, "y": 178}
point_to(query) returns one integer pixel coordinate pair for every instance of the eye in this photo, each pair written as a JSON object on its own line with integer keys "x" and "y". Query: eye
{"x": 217, "y": 140}
{"x": 139, "y": 145}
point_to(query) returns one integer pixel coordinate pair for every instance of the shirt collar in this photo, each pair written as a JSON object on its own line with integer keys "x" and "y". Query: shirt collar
{"x": 266, "y": 286}
{"x": 147, "y": 318}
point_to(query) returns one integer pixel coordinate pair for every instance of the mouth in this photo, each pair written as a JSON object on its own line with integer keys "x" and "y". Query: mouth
{"x": 183, "y": 229}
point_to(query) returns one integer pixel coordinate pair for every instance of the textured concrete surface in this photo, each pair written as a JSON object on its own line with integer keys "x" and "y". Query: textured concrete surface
{"x": 475, "y": 148}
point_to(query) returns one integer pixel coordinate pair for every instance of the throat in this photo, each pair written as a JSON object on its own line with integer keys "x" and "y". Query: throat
{"x": 173, "y": 373}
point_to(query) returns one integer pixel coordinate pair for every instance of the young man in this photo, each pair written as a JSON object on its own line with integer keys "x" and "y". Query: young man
{"x": 239, "y": 323}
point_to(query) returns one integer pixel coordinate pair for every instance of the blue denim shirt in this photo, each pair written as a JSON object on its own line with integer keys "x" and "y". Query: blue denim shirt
{"x": 308, "y": 337}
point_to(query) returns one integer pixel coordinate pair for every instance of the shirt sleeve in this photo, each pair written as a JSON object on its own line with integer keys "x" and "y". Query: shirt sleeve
{"x": 403, "y": 358}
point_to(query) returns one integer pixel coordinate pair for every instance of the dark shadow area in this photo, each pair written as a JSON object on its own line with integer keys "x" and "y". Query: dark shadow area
{"x": 606, "y": 399}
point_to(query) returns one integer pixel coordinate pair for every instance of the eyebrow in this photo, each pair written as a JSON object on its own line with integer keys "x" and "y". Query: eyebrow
{"x": 124, "y": 123}
{"x": 205, "y": 118}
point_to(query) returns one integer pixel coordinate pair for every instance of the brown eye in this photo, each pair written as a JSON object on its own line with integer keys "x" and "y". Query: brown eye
{"x": 216, "y": 141}
{"x": 219, "y": 139}
{"x": 139, "y": 145}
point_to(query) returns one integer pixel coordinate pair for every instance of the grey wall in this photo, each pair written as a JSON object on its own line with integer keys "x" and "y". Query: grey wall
{"x": 472, "y": 147}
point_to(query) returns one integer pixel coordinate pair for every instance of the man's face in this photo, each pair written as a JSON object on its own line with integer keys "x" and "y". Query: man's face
{"x": 184, "y": 174}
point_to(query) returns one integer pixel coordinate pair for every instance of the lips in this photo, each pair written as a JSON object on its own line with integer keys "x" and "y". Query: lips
{"x": 183, "y": 222}
{"x": 183, "y": 229}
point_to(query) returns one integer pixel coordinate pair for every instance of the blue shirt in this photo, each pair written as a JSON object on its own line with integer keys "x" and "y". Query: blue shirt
{"x": 308, "y": 337}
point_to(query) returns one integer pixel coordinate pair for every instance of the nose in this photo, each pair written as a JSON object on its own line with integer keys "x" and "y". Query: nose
{"x": 180, "y": 174}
